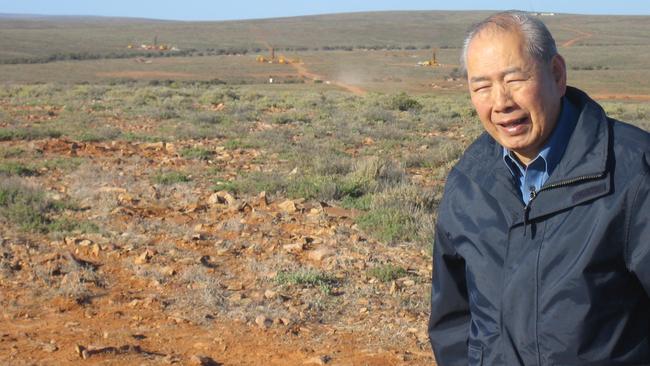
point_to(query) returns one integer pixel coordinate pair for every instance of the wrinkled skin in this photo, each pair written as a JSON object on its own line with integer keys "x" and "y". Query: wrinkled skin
{"x": 517, "y": 98}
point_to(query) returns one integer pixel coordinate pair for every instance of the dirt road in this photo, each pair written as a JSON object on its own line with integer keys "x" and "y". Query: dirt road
{"x": 580, "y": 37}
{"x": 302, "y": 70}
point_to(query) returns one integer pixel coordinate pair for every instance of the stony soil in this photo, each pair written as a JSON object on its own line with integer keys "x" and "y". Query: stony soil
{"x": 179, "y": 274}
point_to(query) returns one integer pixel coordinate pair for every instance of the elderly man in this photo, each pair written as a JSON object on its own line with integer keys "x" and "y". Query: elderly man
{"x": 542, "y": 248}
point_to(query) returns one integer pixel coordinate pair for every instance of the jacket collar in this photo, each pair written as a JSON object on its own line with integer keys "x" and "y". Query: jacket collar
{"x": 582, "y": 171}
{"x": 586, "y": 152}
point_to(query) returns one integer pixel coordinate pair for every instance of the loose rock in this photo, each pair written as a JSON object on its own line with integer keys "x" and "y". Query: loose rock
{"x": 50, "y": 347}
{"x": 319, "y": 360}
{"x": 320, "y": 254}
{"x": 198, "y": 360}
{"x": 288, "y": 206}
{"x": 294, "y": 248}
{"x": 145, "y": 257}
{"x": 263, "y": 322}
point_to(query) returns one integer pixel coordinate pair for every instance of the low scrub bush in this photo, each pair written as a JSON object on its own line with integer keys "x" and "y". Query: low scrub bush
{"x": 254, "y": 183}
{"x": 387, "y": 272}
{"x": 168, "y": 178}
{"x": 30, "y": 210}
{"x": 16, "y": 168}
{"x": 306, "y": 278}
{"x": 403, "y": 102}
{"x": 11, "y": 152}
{"x": 318, "y": 187}
{"x": 388, "y": 224}
{"x": 28, "y": 133}
{"x": 99, "y": 134}
{"x": 198, "y": 153}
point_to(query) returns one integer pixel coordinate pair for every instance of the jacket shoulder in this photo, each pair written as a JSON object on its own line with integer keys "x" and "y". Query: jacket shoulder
{"x": 472, "y": 166}
{"x": 479, "y": 151}
{"x": 630, "y": 136}
{"x": 631, "y": 144}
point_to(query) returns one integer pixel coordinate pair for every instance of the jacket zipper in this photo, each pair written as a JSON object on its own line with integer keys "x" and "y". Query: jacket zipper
{"x": 533, "y": 193}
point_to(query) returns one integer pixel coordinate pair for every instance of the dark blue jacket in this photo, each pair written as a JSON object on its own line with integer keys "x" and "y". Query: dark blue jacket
{"x": 562, "y": 281}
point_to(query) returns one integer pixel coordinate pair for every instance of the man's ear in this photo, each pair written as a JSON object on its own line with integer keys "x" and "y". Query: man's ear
{"x": 558, "y": 69}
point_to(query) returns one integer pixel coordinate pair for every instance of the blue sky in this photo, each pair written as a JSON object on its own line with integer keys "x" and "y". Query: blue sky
{"x": 247, "y": 9}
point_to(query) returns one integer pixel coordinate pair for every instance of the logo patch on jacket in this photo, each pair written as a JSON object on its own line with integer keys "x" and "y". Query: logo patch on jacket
{"x": 580, "y": 195}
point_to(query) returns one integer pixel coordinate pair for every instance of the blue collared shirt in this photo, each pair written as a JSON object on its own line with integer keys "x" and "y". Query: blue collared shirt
{"x": 532, "y": 177}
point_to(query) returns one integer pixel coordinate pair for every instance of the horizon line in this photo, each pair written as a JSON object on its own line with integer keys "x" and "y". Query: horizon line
{"x": 41, "y": 15}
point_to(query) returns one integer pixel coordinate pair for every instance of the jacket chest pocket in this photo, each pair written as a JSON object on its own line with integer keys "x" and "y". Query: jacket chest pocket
{"x": 475, "y": 356}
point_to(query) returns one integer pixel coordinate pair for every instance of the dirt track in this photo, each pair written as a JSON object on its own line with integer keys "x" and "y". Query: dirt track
{"x": 302, "y": 71}
{"x": 581, "y": 37}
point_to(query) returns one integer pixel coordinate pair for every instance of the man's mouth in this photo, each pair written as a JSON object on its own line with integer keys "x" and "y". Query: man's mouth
{"x": 515, "y": 126}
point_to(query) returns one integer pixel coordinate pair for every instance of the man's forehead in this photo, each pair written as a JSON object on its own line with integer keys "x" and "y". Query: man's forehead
{"x": 498, "y": 51}
{"x": 499, "y": 73}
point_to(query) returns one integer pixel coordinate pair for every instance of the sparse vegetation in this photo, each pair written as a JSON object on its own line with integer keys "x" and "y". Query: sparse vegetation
{"x": 28, "y": 133}
{"x": 15, "y": 168}
{"x": 403, "y": 102}
{"x": 387, "y": 272}
{"x": 168, "y": 178}
{"x": 306, "y": 278}
{"x": 196, "y": 153}
{"x": 30, "y": 210}
{"x": 130, "y": 189}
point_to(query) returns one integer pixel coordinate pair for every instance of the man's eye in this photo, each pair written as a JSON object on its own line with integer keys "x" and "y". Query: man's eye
{"x": 481, "y": 88}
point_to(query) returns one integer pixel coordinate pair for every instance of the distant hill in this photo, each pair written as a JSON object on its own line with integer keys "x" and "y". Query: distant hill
{"x": 27, "y": 39}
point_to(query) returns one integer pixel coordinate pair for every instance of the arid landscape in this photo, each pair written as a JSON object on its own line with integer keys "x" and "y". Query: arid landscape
{"x": 206, "y": 207}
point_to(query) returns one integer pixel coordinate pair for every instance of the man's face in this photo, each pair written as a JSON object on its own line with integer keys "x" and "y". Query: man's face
{"x": 517, "y": 98}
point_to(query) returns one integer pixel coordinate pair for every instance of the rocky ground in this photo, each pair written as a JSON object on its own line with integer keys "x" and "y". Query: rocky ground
{"x": 178, "y": 273}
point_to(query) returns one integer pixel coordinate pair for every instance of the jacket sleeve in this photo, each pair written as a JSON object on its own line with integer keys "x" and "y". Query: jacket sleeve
{"x": 450, "y": 317}
{"x": 638, "y": 237}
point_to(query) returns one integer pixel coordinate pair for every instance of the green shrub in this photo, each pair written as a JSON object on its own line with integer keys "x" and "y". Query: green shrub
{"x": 67, "y": 164}
{"x": 30, "y": 210}
{"x": 387, "y": 272}
{"x": 378, "y": 114}
{"x": 358, "y": 203}
{"x": 99, "y": 134}
{"x": 255, "y": 182}
{"x": 290, "y": 117}
{"x": 388, "y": 224}
{"x": 219, "y": 95}
{"x": 71, "y": 225}
{"x": 141, "y": 137}
{"x": 11, "y": 152}
{"x": 23, "y": 206}
{"x": 225, "y": 186}
{"x": 312, "y": 187}
{"x": 306, "y": 278}
{"x": 168, "y": 178}
{"x": 403, "y": 102}
{"x": 208, "y": 118}
{"x": 15, "y": 168}
{"x": 233, "y": 144}
{"x": 198, "y": 153}
{"x": 372, "y": 174}
{"x": 27, "y": 133}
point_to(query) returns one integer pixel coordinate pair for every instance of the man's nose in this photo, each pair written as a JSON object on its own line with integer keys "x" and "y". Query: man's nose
{"x": 502, "y": 99}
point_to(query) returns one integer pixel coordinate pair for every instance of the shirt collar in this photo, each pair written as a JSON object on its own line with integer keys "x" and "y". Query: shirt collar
{"x": 552, "y": 152}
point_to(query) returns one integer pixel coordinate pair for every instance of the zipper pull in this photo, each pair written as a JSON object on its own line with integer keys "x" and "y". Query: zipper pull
{"x": 532, "y": 196}
{"x": 526, "y": 209}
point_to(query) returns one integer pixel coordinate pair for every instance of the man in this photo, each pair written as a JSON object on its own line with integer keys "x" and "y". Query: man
{"x": 542, "y": 248}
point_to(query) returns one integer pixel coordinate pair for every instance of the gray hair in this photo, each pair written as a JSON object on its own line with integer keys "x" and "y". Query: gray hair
{"x": 539, "y": 41}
